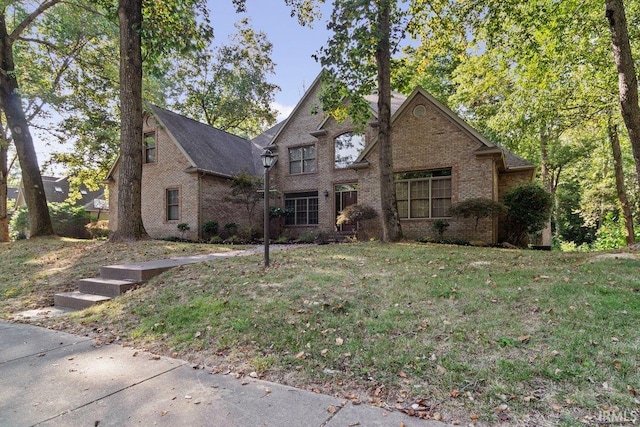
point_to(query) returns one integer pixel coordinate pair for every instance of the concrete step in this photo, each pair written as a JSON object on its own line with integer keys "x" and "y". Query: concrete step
{"x": 77, "y": 300}
{"x": 106, "y": 287}
{"x": 135, "y": 272}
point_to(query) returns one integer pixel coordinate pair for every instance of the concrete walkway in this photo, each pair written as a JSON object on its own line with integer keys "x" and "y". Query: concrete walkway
{"x": 51, "y": 378}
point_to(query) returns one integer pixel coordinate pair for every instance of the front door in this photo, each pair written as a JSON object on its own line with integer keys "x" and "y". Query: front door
{"x": 346, "y": 195}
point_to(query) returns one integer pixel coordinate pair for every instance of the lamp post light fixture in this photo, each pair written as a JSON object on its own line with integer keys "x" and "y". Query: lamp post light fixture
{"x": 267, "y": 161}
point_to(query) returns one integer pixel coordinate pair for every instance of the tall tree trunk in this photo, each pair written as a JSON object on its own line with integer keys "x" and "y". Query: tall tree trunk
{"x": 547, "y": 182}
{"x": 627, "y": 80}
{"x": 39, "y": 219}
{"x": 4, "y": 174}
{"x": 391, "y": 230}
{"x": 630, "y": 234}
{"x": 130, "y": 226}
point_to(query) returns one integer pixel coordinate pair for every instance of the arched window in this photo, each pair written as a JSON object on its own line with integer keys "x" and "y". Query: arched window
{"x": 347, "y": 148}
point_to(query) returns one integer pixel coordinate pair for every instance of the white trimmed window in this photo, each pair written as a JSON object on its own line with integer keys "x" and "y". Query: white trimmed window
{"x": 425, "y": 194}
{"x": 302, "y": 159}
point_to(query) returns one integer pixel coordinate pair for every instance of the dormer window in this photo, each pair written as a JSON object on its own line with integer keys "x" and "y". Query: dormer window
{"x": 149, "y": 142}
{"x": 348, "y": 147}
{"x": 83, "y": 192}
{"x": 58, "y": 189}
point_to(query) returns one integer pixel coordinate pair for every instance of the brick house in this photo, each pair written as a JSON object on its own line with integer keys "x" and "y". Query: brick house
{"x": 323, "y": 166}
{"x": 187, "y": 170}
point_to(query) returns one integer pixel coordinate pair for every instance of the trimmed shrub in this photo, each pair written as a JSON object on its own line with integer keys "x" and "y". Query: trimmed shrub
{"x": 183, "y": 227}
{"x": 230, "y": 229}
{"x": 210, "y": 229}
{"x": 478, "y": 208}
{"x": 529, "y": 208}
{"x": 439, "y": 226}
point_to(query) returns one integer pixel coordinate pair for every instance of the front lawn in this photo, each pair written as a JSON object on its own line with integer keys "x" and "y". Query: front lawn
{"x": 461, "y": 334}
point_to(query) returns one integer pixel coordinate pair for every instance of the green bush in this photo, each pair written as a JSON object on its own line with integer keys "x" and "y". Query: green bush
{"x": 19, "y": 225}
{"x": 611, "y": 234}
{"x": 67, "y": 221}
{"x": 478, "y": 208}
{"x": 529, "y": 208}
{"x": 278, "y": 212}
{"x": 210, "y": 229}
{"x": 183, "y": 227}
{"x": 439, "y": 226}
{"x": 216, "y": 240}
{"x": 230, "y": 229}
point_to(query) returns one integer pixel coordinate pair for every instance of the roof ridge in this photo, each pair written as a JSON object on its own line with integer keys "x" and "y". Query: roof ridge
{"x": 199, "y": 122}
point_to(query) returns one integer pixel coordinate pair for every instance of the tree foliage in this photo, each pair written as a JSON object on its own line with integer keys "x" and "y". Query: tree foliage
{"x": 244, "y": 192}
{"x": 529, "y": 207}
{"x": 67, "y": 220}
{"x": 478, "y": 208}
{"x": 227, "y": 87}
{"x": 357, "y": 60}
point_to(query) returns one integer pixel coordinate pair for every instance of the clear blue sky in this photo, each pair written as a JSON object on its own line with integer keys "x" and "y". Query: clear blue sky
{"x": 293, "y": 44}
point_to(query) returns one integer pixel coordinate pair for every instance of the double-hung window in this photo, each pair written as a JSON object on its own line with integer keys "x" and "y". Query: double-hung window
{"x": 425, "y": 194}
{"x": 302, "y": 159}
{"x": 303, "y": 208}
{"x": 173, "y": 204}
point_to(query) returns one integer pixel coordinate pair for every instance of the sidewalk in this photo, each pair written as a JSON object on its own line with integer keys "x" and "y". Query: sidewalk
{"x": 51, "y": 378}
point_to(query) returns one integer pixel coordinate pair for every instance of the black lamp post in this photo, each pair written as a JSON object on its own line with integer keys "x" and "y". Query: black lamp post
{"x": 267, "y": 161}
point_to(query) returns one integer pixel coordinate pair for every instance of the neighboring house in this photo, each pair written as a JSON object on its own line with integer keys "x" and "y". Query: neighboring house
{"x": 56, "y": 189}
{"x": 186, "y": 175}
{"x": 438, "y": 159}
{"x": 12, "y": 195}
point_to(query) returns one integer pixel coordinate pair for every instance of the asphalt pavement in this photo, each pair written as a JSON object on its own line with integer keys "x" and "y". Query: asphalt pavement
{"x": 52, "y": 378}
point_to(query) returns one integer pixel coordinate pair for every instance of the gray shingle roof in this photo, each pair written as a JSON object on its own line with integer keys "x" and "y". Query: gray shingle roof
{"x": 514, "y": 161}
{"x": 210, "y": 149}
{"x": 56, "y": 189}
{"x": 397, "y": 99}
{"x": 12, "y": 193}
{"x": 267, "y": 136}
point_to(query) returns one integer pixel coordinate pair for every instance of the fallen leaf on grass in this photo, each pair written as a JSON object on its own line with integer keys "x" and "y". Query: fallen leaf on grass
{"x": 501, "y": 408}
{"x": 300, "y": 355}
{"x": 454, "y": 393}
{"x": 339, "y": 341}
{"x": 402, "y": 374}
{"x": 524, "y": 339}
{"x": 632, "y": 390}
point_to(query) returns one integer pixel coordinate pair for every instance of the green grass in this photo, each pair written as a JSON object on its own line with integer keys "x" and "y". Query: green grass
{"x": 32, "y": 271}
{"x": 554, "y": 336}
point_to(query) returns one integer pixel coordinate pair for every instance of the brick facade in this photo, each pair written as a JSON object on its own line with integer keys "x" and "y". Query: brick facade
{"x": 201, "y": 196}
{"x": 429, "y": 140}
